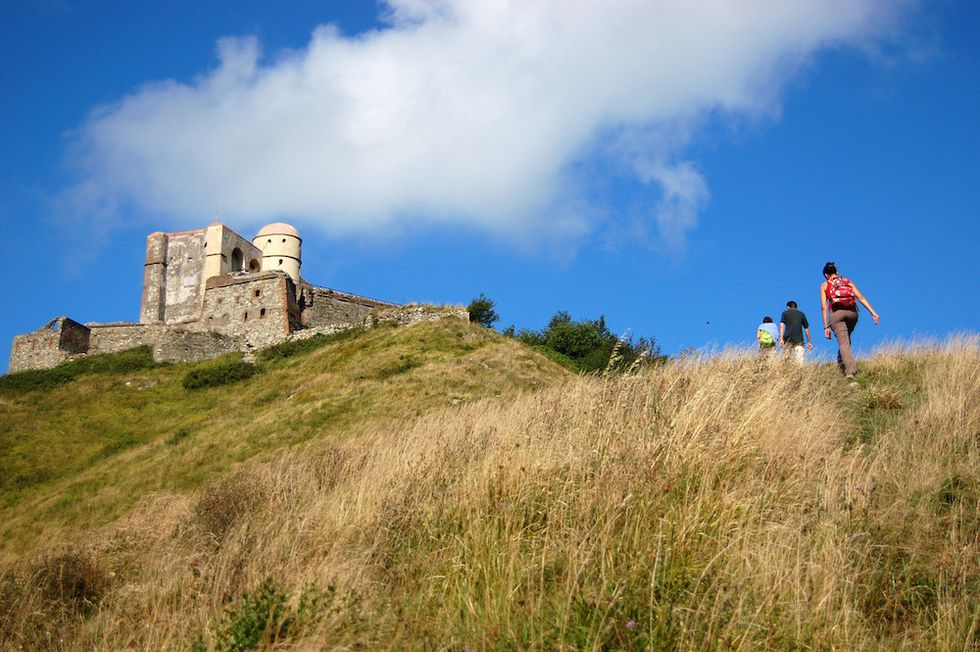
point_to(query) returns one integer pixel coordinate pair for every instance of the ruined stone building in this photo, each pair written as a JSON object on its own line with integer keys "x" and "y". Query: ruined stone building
{"x": 209, "y": 292}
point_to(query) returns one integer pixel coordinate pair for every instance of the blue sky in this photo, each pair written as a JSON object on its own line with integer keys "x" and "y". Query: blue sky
{"x": 681, "y": 174}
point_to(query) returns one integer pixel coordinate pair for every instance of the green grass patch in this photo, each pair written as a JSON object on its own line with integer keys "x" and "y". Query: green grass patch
{"x": 266, "y": 616}
{"x": 294, "y": 348}
{"x": 885, "y": 393}
{"x": 405, "y": 363}
{"x": 224, "y": 373}
{"x": 555, "y": 356}
{"x": 136, "y": 359}
{"x": 179, "y": 436}
{"x": 118, "y": 446}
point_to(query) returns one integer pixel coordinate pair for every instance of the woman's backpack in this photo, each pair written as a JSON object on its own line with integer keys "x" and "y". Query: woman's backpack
{"x": 840, "y": 293}
{"x": 765, "y": 338}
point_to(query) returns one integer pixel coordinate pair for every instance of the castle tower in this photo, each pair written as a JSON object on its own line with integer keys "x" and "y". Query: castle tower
{"x": 280, "y": 244}
{"x": 152, "y": 306}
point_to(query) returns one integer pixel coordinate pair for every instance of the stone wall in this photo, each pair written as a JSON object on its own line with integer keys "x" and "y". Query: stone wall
{"x": 49, "y": 345}
{"x": 259, "y": 309}
{"x": 325, "y": 307}
{"x": 111, "y": 338}
{"x": 169, "y": 343}
{"x": 417, "y": 313}
{"x": 180, "y": 345}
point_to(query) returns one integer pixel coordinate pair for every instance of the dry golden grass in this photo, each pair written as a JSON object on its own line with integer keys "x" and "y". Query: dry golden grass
{"x": 715, "y": 504}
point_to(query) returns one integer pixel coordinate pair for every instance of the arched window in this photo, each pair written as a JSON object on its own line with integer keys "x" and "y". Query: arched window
{"x": 253, "y": 265}
{"x": 237, "y": 260}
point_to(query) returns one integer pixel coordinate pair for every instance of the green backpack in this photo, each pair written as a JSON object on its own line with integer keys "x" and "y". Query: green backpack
{"x": 765, "y": 339}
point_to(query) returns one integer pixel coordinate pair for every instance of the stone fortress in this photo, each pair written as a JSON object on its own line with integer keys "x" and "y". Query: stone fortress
{"x": 210, "y": 292}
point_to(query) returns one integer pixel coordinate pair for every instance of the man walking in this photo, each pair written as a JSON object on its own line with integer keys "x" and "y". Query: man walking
{"x": 792, "y": 326}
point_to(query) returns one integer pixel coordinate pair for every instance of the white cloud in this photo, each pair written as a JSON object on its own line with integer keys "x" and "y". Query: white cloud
{"x": 457, "y": 111}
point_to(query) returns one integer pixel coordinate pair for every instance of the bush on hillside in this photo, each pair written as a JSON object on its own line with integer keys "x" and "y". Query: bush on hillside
{"x": 73, "y": 579}
{"x": 223, "y": 503}
{"x": 219, "y": 374}
{"x": 482, "y": 311}
{"x": 588, "y": 345}
{"x": 263, "y": 617}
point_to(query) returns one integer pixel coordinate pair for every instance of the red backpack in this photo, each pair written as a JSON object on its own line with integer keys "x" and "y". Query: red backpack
{"x": 840, "y": 293}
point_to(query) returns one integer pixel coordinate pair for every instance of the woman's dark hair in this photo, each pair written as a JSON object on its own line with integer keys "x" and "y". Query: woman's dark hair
{"x": 830, "y": 268}
{"x": 790, "y": 304}
{"x": 767, "y": 320}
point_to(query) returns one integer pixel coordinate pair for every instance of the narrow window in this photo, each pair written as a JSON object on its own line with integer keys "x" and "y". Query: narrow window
{"x": 258, "y": 293}
{"x": 280, "y": 262}
{"x": 261, "y": 313}
{"x": 246, "y": 316}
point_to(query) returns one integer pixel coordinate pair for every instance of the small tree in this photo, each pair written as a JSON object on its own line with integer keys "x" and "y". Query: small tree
{"x": 482, "y": 312}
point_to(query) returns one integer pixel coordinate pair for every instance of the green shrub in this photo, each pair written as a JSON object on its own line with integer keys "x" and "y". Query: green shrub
{"x": 265, "y": 617}
{"x": 482, "y": 312}
{"x": 259, "y": 617}
{"x": 577, "y": 339}
{"x": 588, "y": 346}
{"x": 216, "y": 375}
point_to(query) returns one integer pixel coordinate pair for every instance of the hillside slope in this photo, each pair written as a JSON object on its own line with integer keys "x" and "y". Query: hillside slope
{"x": 711, "y": 504}
{"x": 82, "y": 452}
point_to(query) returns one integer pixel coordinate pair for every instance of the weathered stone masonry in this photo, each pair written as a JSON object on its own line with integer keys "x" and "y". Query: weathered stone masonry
{"x": 210, "y": 292}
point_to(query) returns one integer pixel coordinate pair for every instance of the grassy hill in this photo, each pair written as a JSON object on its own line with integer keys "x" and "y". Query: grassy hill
{"x": 81, "y": 452}
{"x": 443, "y": 487}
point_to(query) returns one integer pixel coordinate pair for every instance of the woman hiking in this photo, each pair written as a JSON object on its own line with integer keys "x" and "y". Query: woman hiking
{"x": 838, "y": 305}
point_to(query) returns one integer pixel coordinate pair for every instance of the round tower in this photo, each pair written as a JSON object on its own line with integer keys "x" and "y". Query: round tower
{"x": 280, "y": 244}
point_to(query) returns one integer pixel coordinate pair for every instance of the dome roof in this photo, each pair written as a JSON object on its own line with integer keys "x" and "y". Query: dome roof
{"x": 279, "y": 228}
